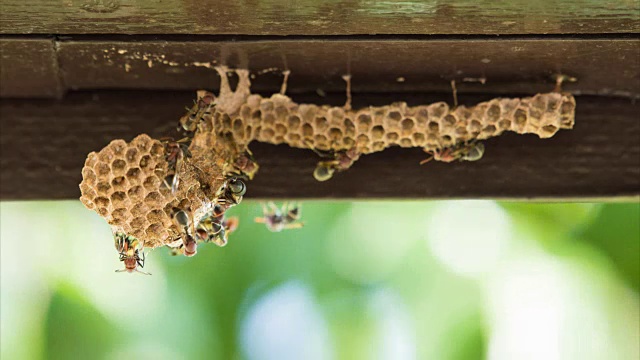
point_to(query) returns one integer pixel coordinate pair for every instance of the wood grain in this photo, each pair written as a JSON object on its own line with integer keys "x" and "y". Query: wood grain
{"x": 29, "y": 68}
{"x": 312, "y": 17}
{"x": 602, "y": 66}
{"x": 44, "y": 144}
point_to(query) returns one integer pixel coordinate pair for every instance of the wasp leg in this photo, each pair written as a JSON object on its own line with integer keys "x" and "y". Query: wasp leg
{"x": 294, "y": 226}
{"x": 429, "y": 158}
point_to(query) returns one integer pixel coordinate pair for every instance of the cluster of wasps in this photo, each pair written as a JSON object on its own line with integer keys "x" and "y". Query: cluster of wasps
{"x": 212, "y": 225}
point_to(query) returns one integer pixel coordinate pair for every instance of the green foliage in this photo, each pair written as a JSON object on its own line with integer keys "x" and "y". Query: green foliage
{"x": 75, "y": 329}
{"x": 616, "y": 233}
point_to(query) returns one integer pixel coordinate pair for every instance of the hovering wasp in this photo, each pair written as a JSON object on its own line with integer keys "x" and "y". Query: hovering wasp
{"x": 175, "y": 153}
{"x": 472, "y": 151}
{"x": 201, "y": 108}
{"x": 277, "y": 220}
{"x": 342, "y": 160}
{"x": 231, "y": 192}
{"x": 128, "y": 248}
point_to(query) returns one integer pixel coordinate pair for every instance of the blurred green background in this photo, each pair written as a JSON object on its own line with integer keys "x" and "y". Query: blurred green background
{"x": 361, "y": 280}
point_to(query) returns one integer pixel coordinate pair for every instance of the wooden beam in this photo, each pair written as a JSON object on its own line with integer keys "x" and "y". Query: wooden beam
{"x": 44, "y": 144}
{"x": 312, "y": 17}
{"x": 29, "y": 68}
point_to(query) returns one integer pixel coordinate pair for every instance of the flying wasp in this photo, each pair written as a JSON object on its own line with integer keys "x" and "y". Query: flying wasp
{"x": 472, "y": 151}
{"x": 129, "y": 249}
{"x": 278, "y": 219}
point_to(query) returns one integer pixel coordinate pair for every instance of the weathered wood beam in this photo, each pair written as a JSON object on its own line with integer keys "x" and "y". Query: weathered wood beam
{"x": 602, "y": 66}
{"x": 44, "y": 144}
{"x": 312, "y": 17}
{"x": 29, "y": 68}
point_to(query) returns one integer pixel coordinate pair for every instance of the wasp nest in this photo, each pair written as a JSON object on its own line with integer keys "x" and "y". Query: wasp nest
{"x": 126, "y": 184}
{"x": 279, "y": 120}
{"x": 129, "y": 184}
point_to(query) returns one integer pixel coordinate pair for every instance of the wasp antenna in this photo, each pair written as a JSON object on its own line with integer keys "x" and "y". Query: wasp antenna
{"x": 142, "y": 272}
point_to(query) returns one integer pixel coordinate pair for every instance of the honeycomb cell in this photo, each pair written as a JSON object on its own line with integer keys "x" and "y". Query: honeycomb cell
{"x": 377, "y": 132}
{"x": 118, "y": 199}
{"x": 335, "y": 134}
{"x": 307, "y": 130}
{"x": 268, "y": 120}
{"x": 489, "y": 129}
{"x": 407, "y": 126}
{"x": 504, "y": 124}
{"x": 392, "y": 136}
{"x": 131, "y": 156}
{"x": 449, "y": 121}
{"x": 321, "y": 124}
{"x": 520, "y": 117}
{"x": 281, "y": 112}
{"x": 267, "y": 134}
{"x": 119, "y": 215}
{"x": 102, "y": 169}
{"x": 364, "y": 122}
{"x": 119, "y": 183}
{"x": 418, "y": 139}
{"x": 155, "y": 215}
{"x": 103, "y": 187}
{"x": 136, "y": 193}
{"x": 145, "y": 162}
{"x": 266, "y": 105}
{"x": 101, "y": 201}
{"x": 281, "y": 129}
{"x": 293, "y": 122}
{"x": 493, "y": 113}
{"x": 405, "y": 142}
{"x": 118, "y": 167}
{"x": 89, "y": 176}
{"x": 157, "y": 150}
{"x": 151, "y": 183}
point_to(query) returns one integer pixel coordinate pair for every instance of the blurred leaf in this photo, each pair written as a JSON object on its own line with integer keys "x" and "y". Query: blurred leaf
{"x": 470, "y": 340}
{"x": 566, "y": 217}
{"x": 616, "y": 232}
{"x": 75, "y": 329}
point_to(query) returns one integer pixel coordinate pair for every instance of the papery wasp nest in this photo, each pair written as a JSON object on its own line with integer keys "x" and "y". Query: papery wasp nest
{"x": 166, "y": 192}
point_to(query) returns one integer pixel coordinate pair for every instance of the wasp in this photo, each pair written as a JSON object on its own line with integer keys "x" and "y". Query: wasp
{"x": 129, "y": 249}
{"x": 189, "y": 245}
{"x": 214, "y": 227}
{"x": 342, "y": 160}
{"x": 201, "y": 108}
{"x": 175, "y": 153}
{"x": 245, "y": 165}
{"x": 231, "y": 192}
{"x": 472, "y": 151}
{"x": 278, "y": 219}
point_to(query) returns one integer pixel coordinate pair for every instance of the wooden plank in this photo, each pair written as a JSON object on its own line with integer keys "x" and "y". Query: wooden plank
{"x": 44, "y": 144}
{"x": 29, "y": 68}
{"x": 312, "y": 17}
{"x": 603, "y": 66}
